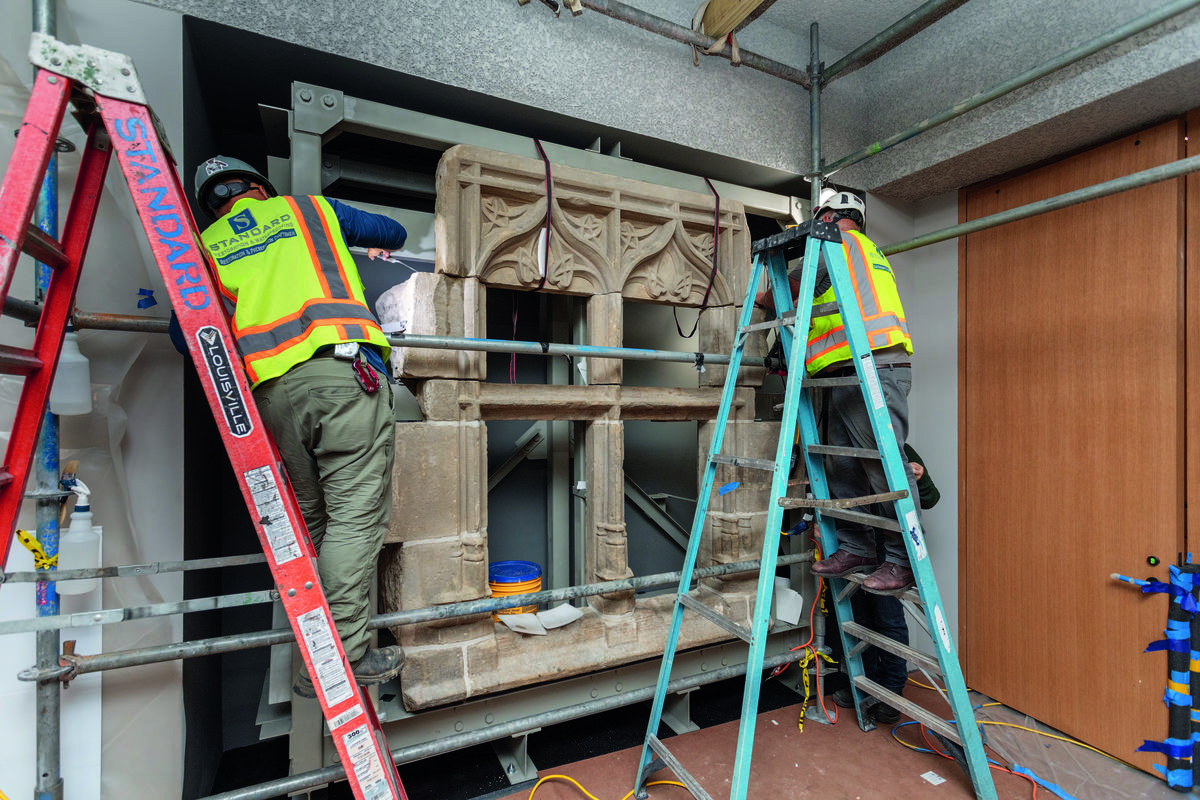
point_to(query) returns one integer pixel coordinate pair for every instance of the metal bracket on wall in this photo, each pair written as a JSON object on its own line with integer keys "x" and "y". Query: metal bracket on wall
{"x": 322, "y": 113}
{"x": 513, "y": 753}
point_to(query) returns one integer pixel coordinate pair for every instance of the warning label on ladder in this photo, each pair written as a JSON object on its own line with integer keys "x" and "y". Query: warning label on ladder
{"x": 275, "y": 522}
{"x": 367, "y": 767}
{"x": 324, "y": 657}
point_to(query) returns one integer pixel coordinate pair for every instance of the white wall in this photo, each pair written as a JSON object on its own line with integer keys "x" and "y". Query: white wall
{"x": 126, "y": 739}
{"x": 928, "y": 282}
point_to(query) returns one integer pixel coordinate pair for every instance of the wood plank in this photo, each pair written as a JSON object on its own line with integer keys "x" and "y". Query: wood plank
{"x": 726, "y": 16}
{"x": 1074, "y": 446}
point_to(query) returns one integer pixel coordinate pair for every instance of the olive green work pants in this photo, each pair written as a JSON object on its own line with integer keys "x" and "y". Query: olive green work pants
{"x": 338, "y": 445}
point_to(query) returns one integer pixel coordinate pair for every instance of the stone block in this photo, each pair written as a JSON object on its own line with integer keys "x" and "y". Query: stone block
{"x": 750, "y": 439}
{"x": 439, "y": 484}
{"x": 607, "y": 234}
{"x": 430, "y": 572}
{"x": 438, "y": 674}
{"x": 448, "y": 401}
{"x": 439, "y": 305}
{"x": 718, "y": 332}
{"x": 605, "y": 328}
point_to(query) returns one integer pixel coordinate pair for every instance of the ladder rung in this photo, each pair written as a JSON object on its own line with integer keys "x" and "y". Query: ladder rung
{"x": 43, "y": 248}
{"x": 18, "y": 361}
{"x": 849, "y": 502}
{"x": 848, "y": 380}
{"x": 834, "y": 450}
{"x": 925, "y": 717}
{"x": 911, "y": 594}
{"x": 825, "y": 310}
{"x": 723, "y": 622}
{"x": 779, "y": 322}
{"x": 870, "y": 637}
{"x": 764, "y": 464}
{"x": 673, "y": 764}
{"x": 874, "y": 520}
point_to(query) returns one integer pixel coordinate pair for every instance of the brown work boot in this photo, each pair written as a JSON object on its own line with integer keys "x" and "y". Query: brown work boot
{"x": 842, "y": 563}
{"x": 890, "y": 578}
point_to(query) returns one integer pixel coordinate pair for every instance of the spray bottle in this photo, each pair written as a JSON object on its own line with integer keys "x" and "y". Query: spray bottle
{"x": 79, "y": 547}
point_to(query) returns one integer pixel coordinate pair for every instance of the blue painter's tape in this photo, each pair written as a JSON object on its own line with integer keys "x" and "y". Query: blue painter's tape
{"x": 147, "y": 300}
{"x": 1178, "y": 594}
{"x": 1175, "y": 748}
{"x": 1180, "y": 677}
{"x": 1173, "y": 698}
{"x": 729, "y": 487}
{"x": 1173, "y": 645}
{"x": 1176, "y": 777}
{"x": 1058, "y": 790}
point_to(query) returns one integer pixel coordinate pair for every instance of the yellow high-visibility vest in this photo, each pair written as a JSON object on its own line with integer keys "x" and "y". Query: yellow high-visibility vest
{"x": 284, "y": 264}
{"x": 875, "y": 289}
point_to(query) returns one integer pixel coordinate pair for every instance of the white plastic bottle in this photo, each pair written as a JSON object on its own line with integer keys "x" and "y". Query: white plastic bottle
{"x": 79, "y": 547}
{"x": 71, "y": 392}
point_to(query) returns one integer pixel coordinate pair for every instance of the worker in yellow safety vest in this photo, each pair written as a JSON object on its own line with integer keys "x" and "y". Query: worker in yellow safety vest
{"x": 315, "y": 356}
{"x": 828, "y": 354}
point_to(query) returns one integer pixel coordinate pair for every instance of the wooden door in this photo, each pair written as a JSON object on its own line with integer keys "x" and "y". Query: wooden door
{"x": 1072, "y": 425}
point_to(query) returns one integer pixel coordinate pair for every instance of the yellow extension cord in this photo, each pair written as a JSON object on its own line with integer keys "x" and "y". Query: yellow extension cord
{"x": 579, "y": 786}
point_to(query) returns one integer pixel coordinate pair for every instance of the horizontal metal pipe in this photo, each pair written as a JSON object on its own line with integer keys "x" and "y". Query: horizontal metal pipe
{"x": 1138, "y": 179}
{"x": 679, "y": 33}
{"x": 552, "y": 349}
{"x": 448, "y": 744}
{"x": 29, "y": 313}
{"x": 899, "y": 32}
{"x": 101, "y": 662}
{"x": 132, "y": 570}
{"x": 1118, "y": 34}
{"x": 108, "y": 616}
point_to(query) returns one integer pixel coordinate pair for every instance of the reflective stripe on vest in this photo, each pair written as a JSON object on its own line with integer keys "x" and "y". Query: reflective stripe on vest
{"x": 875, "y": 291}
{"x": 285, "y": 264}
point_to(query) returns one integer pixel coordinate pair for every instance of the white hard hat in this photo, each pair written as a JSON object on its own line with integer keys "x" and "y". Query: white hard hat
{"x": 840, "y": 201}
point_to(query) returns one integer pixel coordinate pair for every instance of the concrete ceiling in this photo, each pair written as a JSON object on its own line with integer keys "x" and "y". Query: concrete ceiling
{"x": 522, "y": 70}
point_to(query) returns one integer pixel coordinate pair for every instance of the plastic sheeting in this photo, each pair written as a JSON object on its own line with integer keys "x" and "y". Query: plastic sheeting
{"x": 122, "y": 730}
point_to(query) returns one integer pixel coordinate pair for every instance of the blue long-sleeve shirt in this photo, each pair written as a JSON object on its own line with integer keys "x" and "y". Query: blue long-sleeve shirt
{"x": 364, "y": 229}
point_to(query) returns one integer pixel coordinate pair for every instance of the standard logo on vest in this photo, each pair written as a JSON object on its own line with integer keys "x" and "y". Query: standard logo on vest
{"x": 221, "y": 370}
{"x": 242, "y": 221}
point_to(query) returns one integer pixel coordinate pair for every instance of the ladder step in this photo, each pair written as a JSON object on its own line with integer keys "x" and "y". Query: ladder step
{"x": 848, "y": 380}
{"x": 779, "y": 322}
{"x": 44, "y": 248}
{"x": 922, "y": 715}
{"x": 874, "y": 520}
{"x": 825, "y": 310}
{"x": 18, "y": 361}
{"x": 849, "y": 502}
{"x": 834, "y": 450}
{"x": 673, "y": 764}
{"x": 911, "y": 594}
{"x": 764, "y": 464}
{"x": 721, "y": 621}
{"x": 868, "y": 638}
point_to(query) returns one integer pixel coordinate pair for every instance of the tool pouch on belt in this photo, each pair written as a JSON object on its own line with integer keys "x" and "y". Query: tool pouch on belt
{"x": 366, "y": 377}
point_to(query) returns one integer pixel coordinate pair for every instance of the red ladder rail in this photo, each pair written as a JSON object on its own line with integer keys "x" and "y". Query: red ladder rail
{"x": 123, "y": 124}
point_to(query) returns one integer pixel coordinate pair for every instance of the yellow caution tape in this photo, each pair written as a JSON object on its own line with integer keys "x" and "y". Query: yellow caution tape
{"x": 40, "y": 559}
{"x": 803, "y": 665}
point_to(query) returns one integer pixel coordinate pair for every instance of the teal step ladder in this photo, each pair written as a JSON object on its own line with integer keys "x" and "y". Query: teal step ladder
{"x": 818, "y": 240}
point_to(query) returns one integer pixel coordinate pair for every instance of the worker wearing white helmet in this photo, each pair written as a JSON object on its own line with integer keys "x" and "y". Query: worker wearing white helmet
{"x": 828, "y": 354}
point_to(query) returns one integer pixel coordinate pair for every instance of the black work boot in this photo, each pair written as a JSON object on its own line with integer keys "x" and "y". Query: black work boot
{"x": 376, "y": 666}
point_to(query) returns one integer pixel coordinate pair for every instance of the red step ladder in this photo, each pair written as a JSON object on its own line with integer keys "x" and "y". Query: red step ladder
{"x": 108, "y": 100}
